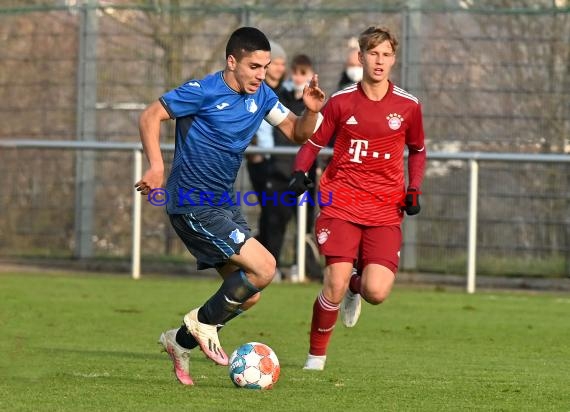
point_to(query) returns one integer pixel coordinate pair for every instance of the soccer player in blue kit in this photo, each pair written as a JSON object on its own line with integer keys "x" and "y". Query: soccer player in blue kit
{"x": 216, "y": 118}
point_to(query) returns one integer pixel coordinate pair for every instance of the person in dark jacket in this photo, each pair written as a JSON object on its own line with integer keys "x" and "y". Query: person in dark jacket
{"x": 275, "y": 215}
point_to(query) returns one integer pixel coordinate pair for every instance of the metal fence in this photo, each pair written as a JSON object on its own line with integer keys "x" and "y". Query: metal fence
{"x": 490, "y": 80}
{"x": 475, "y": 225}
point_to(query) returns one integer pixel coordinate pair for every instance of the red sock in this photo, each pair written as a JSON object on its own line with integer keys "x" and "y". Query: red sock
{"x": 354, "y": 284}
{"x": 325, "y": 315}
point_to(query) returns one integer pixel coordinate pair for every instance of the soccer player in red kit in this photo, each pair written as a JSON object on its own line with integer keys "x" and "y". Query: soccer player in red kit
{"x": 363, "y": 189}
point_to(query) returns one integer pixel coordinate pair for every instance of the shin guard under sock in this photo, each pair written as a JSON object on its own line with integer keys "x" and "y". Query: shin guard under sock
{"x": 325, "y": 315}
{"x": 225, "y": 303}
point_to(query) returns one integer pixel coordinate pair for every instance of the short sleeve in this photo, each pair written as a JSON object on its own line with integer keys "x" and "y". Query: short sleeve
{"x": 185, "y": 100}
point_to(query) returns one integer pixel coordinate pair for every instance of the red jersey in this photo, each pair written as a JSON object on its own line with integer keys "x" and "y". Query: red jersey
{"x": 364, "y": 183}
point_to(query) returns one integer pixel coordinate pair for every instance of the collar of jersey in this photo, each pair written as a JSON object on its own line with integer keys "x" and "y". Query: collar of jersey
{"x": 227, "y": 85}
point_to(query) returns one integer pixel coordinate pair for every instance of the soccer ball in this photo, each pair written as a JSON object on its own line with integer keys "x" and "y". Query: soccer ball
{"x": 254, "y": 365}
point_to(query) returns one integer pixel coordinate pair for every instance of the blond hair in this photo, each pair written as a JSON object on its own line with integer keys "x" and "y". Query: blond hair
{"x": 373, "y": 36}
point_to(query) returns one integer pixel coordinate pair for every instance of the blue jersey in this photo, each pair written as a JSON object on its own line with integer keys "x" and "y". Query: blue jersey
{"x": 214, "y": 126}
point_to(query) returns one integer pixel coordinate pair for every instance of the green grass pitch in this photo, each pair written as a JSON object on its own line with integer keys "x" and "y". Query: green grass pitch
{"x": 88, "y": 342}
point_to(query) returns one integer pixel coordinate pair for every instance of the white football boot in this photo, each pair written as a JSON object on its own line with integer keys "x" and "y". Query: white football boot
{"x": 315, "y": 363}
{"x": 350, "y": 308}
{"x": 180, "y": 356}
{"x": 207, "y": 337}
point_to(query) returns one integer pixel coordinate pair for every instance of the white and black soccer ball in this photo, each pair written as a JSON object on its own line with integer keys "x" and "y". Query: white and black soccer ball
{"x": 254, "y": 365}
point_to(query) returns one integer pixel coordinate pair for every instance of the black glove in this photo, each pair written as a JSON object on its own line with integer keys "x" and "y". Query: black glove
{"x": 412, "y": 201}
{"x": 300, "y": 183}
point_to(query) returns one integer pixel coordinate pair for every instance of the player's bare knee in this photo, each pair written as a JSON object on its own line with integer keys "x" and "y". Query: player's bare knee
{"x": 334, "y": 293}
{"x": 375, "y": 297}
{"x": 265, "y": 269}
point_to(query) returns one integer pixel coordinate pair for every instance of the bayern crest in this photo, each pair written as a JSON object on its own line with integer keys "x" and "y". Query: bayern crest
{"x": 394, "y": 121}
{"x": 323, "y": 236}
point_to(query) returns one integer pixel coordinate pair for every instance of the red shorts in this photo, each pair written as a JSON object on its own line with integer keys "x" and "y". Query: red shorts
{"x": 342, "y": 241}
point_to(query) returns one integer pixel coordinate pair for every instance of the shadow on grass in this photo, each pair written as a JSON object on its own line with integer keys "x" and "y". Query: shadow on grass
{"x": 104, "y": 353}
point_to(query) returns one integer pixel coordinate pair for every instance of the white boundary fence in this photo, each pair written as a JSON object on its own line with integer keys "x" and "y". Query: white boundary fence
{"x": 472, "y": 158}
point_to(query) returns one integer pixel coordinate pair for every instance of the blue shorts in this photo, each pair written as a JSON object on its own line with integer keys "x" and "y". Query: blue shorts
{"x": 212, "y": 234}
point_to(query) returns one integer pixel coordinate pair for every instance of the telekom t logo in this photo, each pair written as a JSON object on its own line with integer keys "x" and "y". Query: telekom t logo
{"x": 357, "y": 149}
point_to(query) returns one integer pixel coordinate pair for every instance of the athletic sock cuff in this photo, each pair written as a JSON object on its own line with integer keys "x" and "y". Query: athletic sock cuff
{"x": 326, "y": 304}
{"x": 247, "y": 283}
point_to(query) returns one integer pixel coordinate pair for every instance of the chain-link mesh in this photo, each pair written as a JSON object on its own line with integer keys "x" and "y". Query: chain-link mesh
{"x": 489, "y": 80}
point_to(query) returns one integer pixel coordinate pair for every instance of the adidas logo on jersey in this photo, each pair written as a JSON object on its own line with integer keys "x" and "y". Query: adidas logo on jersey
{"x": 351, "y": 120}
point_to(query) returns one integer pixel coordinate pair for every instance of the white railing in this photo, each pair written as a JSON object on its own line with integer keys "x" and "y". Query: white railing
{"x": 471, "y": 157}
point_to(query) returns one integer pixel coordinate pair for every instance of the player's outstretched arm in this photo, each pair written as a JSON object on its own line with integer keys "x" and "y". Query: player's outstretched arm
{"x": 149, "y": 129}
